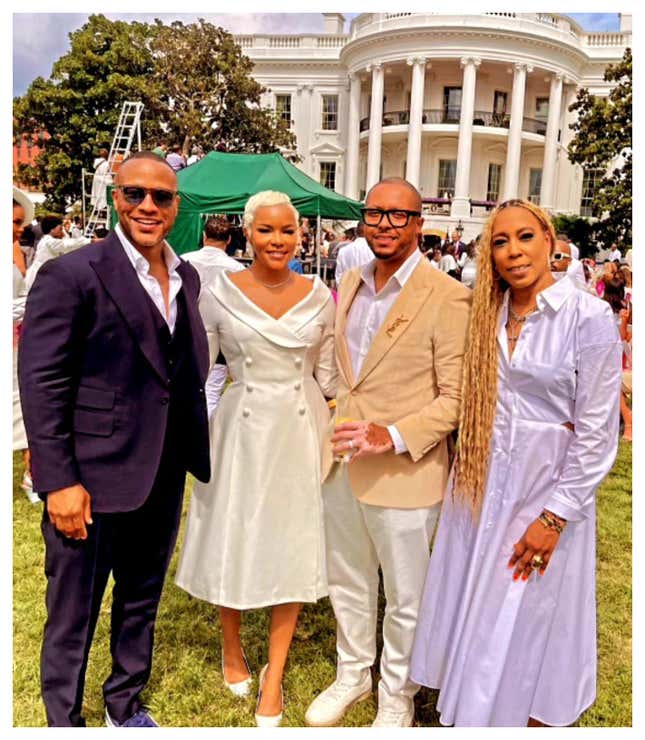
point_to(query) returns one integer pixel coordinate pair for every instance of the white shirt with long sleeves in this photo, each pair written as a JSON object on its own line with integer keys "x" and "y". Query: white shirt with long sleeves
{"x": 210, "y": 261}
{"x": 354, "y": 254}
{"x": 50, "y": 247}
{"x": 367, "y": 314}
{"x": 151, "y": 284}
{"x": 502, "y": 650}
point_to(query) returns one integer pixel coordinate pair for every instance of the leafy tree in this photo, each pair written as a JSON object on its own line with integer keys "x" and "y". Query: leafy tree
{"x": 79, "y": 105}
{"x": 209, "y": 96}
{"x": 603, "y": 140}
{"x": 193, "y": 80}
{"x": 579, "y": 230}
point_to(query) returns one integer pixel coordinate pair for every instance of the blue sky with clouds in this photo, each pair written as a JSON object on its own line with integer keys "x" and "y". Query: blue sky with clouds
{"x": 39, "y": 39}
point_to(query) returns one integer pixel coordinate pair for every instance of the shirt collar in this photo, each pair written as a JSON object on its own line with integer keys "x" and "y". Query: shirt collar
{"x": 554, "y": 296}
{"x": 402, "y": 275}
{"x": 139, "y": 262}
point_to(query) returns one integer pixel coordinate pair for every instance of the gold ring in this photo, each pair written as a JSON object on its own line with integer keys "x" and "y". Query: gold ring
{"x": 537, "y": 562}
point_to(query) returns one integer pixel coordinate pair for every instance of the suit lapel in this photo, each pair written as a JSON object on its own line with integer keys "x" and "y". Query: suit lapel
{"x": 351, "y": 284}
{"x": 120, "y": 281}
{"x": 197, "y": 331}
{"x": 399, "y": 318}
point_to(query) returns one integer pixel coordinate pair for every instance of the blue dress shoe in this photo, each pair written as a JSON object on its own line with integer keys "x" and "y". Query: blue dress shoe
{"x": 141, "y": 718}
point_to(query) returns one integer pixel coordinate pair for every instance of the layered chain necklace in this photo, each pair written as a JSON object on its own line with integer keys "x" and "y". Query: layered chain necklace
{"x": 515, "y": 322}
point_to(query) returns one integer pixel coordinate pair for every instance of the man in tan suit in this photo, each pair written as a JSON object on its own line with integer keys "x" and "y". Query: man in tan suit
{"x": 400, "y": 335}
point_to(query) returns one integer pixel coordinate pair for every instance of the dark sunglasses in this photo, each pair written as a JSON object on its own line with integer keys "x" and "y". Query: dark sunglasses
{"x": 559, "y": 256}
{"x": 134, "y": 195}
{"x": 398, "y": 218}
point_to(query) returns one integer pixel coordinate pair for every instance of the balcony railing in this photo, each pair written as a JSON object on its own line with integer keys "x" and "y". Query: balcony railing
{"x": 452, "y": 115}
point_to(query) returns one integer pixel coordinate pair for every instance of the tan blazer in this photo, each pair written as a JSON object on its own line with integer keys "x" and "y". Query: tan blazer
{"x": 411, "y": 377}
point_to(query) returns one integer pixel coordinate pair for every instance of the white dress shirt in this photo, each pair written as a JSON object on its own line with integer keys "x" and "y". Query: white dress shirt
{"x": 354, "y": 254}
{"x": 367, "y": 314}
{"x": 50, "y": 247}
{"x": 209, "y": 261}
{"x": 151, "y": 284}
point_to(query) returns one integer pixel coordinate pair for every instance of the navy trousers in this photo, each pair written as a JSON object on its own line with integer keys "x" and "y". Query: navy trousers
{"x": 136, "y": 547}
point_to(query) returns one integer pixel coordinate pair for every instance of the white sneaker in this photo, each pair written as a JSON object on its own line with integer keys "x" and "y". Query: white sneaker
{"x": 329, "y": 707}
{"x": 394, "y": 717}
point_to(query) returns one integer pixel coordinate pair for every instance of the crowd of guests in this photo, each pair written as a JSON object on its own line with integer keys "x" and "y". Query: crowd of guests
{"x": 136, "y": 367}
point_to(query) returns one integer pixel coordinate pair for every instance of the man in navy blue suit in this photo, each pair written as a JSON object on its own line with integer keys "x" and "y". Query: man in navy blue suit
{"x": 113, "y": 358}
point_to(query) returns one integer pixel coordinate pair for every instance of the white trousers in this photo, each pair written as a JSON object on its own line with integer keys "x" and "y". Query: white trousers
{"x": 360, "y": 537}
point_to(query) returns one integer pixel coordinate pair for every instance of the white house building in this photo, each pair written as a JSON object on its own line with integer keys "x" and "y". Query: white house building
{"x": 472, "y": 109}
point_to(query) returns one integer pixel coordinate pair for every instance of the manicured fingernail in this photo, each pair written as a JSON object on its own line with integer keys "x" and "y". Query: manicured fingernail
{"x": 525, "y": 577}
{"x": 516, "y": 576}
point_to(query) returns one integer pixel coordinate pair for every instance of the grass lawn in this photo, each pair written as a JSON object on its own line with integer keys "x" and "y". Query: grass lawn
{"x": 186, "y": 688}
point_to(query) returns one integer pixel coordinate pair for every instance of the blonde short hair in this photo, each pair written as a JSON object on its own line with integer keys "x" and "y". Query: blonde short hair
{"x": 266, "y": 198}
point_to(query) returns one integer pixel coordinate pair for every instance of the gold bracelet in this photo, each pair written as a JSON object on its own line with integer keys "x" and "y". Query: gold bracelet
{"x": 551, "y": 521}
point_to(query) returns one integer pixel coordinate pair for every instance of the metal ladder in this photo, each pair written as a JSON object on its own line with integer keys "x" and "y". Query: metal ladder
{"x": 128, "y": 126}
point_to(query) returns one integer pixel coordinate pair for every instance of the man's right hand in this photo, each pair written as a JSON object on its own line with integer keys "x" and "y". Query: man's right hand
{"x": 70, "y": 510}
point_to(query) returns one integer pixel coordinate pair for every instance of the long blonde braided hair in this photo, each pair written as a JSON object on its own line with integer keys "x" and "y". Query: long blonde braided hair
{"x": 479, "y": 390}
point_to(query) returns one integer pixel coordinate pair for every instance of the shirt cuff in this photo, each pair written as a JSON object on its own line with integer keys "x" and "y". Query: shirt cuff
{"x": 399, "y": 444}
{"x": 559, "y": 506}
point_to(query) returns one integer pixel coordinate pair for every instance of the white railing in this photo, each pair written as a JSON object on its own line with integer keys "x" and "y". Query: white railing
{"x": 608, "y": 39}
{"x": 331, "y": 42}
{"x": 284, "y": 42}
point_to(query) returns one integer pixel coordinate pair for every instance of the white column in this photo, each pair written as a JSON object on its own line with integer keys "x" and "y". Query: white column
{"x": 376, "y": 125}
{"x": 413, "y": 167}
{"x": 305, "y": 125}
{"x": 460, "y": 206}
{"x": 551, "y": 144}
{"x": 353, "y": 137}
{"x": 514, "y": 146}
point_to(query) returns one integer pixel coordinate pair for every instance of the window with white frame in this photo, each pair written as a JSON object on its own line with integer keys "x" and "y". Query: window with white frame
{"x": 535, "y": 183}
{"x": 447, "y": 177}
{"x": 494, "y": 179}
{"x": 330, "y": 112}
{"x": 283, "y": 108}
{"x": 590, "y": 181}
{"x": 328, "y": 175}
{"x": 541, "y": 108}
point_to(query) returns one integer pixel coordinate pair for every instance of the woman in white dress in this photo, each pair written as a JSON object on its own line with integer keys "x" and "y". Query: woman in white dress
{"x": 507, "y": 627}
{"x": 254, "y": 536}
{"x": 23, "y": 213}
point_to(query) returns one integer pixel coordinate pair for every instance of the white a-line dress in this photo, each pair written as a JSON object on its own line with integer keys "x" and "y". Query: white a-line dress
{"x": 254, "y": 535}
{"x": 500, "y": 650}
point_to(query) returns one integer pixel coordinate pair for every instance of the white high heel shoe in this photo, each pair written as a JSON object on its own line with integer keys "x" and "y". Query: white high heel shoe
{"x": 239, "y": 688}
{"x": 262, "y": 720}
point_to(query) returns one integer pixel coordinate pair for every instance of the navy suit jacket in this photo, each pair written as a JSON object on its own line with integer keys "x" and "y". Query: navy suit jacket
{"x": 93, "y": 379}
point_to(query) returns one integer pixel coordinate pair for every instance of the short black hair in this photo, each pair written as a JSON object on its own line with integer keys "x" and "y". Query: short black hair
{"x": 145, "y": 154}
{"x": 399, "y": 181}
{"x": 49, "y": 223}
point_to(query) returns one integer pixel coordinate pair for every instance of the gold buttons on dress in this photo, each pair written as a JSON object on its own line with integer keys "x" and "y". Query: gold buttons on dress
{"x": 246, "y": 412}
{"x": 302, "y": 410}
{"x": 248, "y": 361}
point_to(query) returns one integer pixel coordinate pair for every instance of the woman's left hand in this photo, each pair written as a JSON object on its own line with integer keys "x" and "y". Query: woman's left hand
{"x": 537, "y": 541}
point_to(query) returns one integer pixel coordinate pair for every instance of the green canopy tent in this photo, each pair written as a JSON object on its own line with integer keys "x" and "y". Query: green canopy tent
{"x": 222, "y": 183}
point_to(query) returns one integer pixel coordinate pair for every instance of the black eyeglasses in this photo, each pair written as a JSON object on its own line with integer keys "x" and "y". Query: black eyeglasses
{"x": 398, "y": 218}
{"x": 135, "y": 195}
